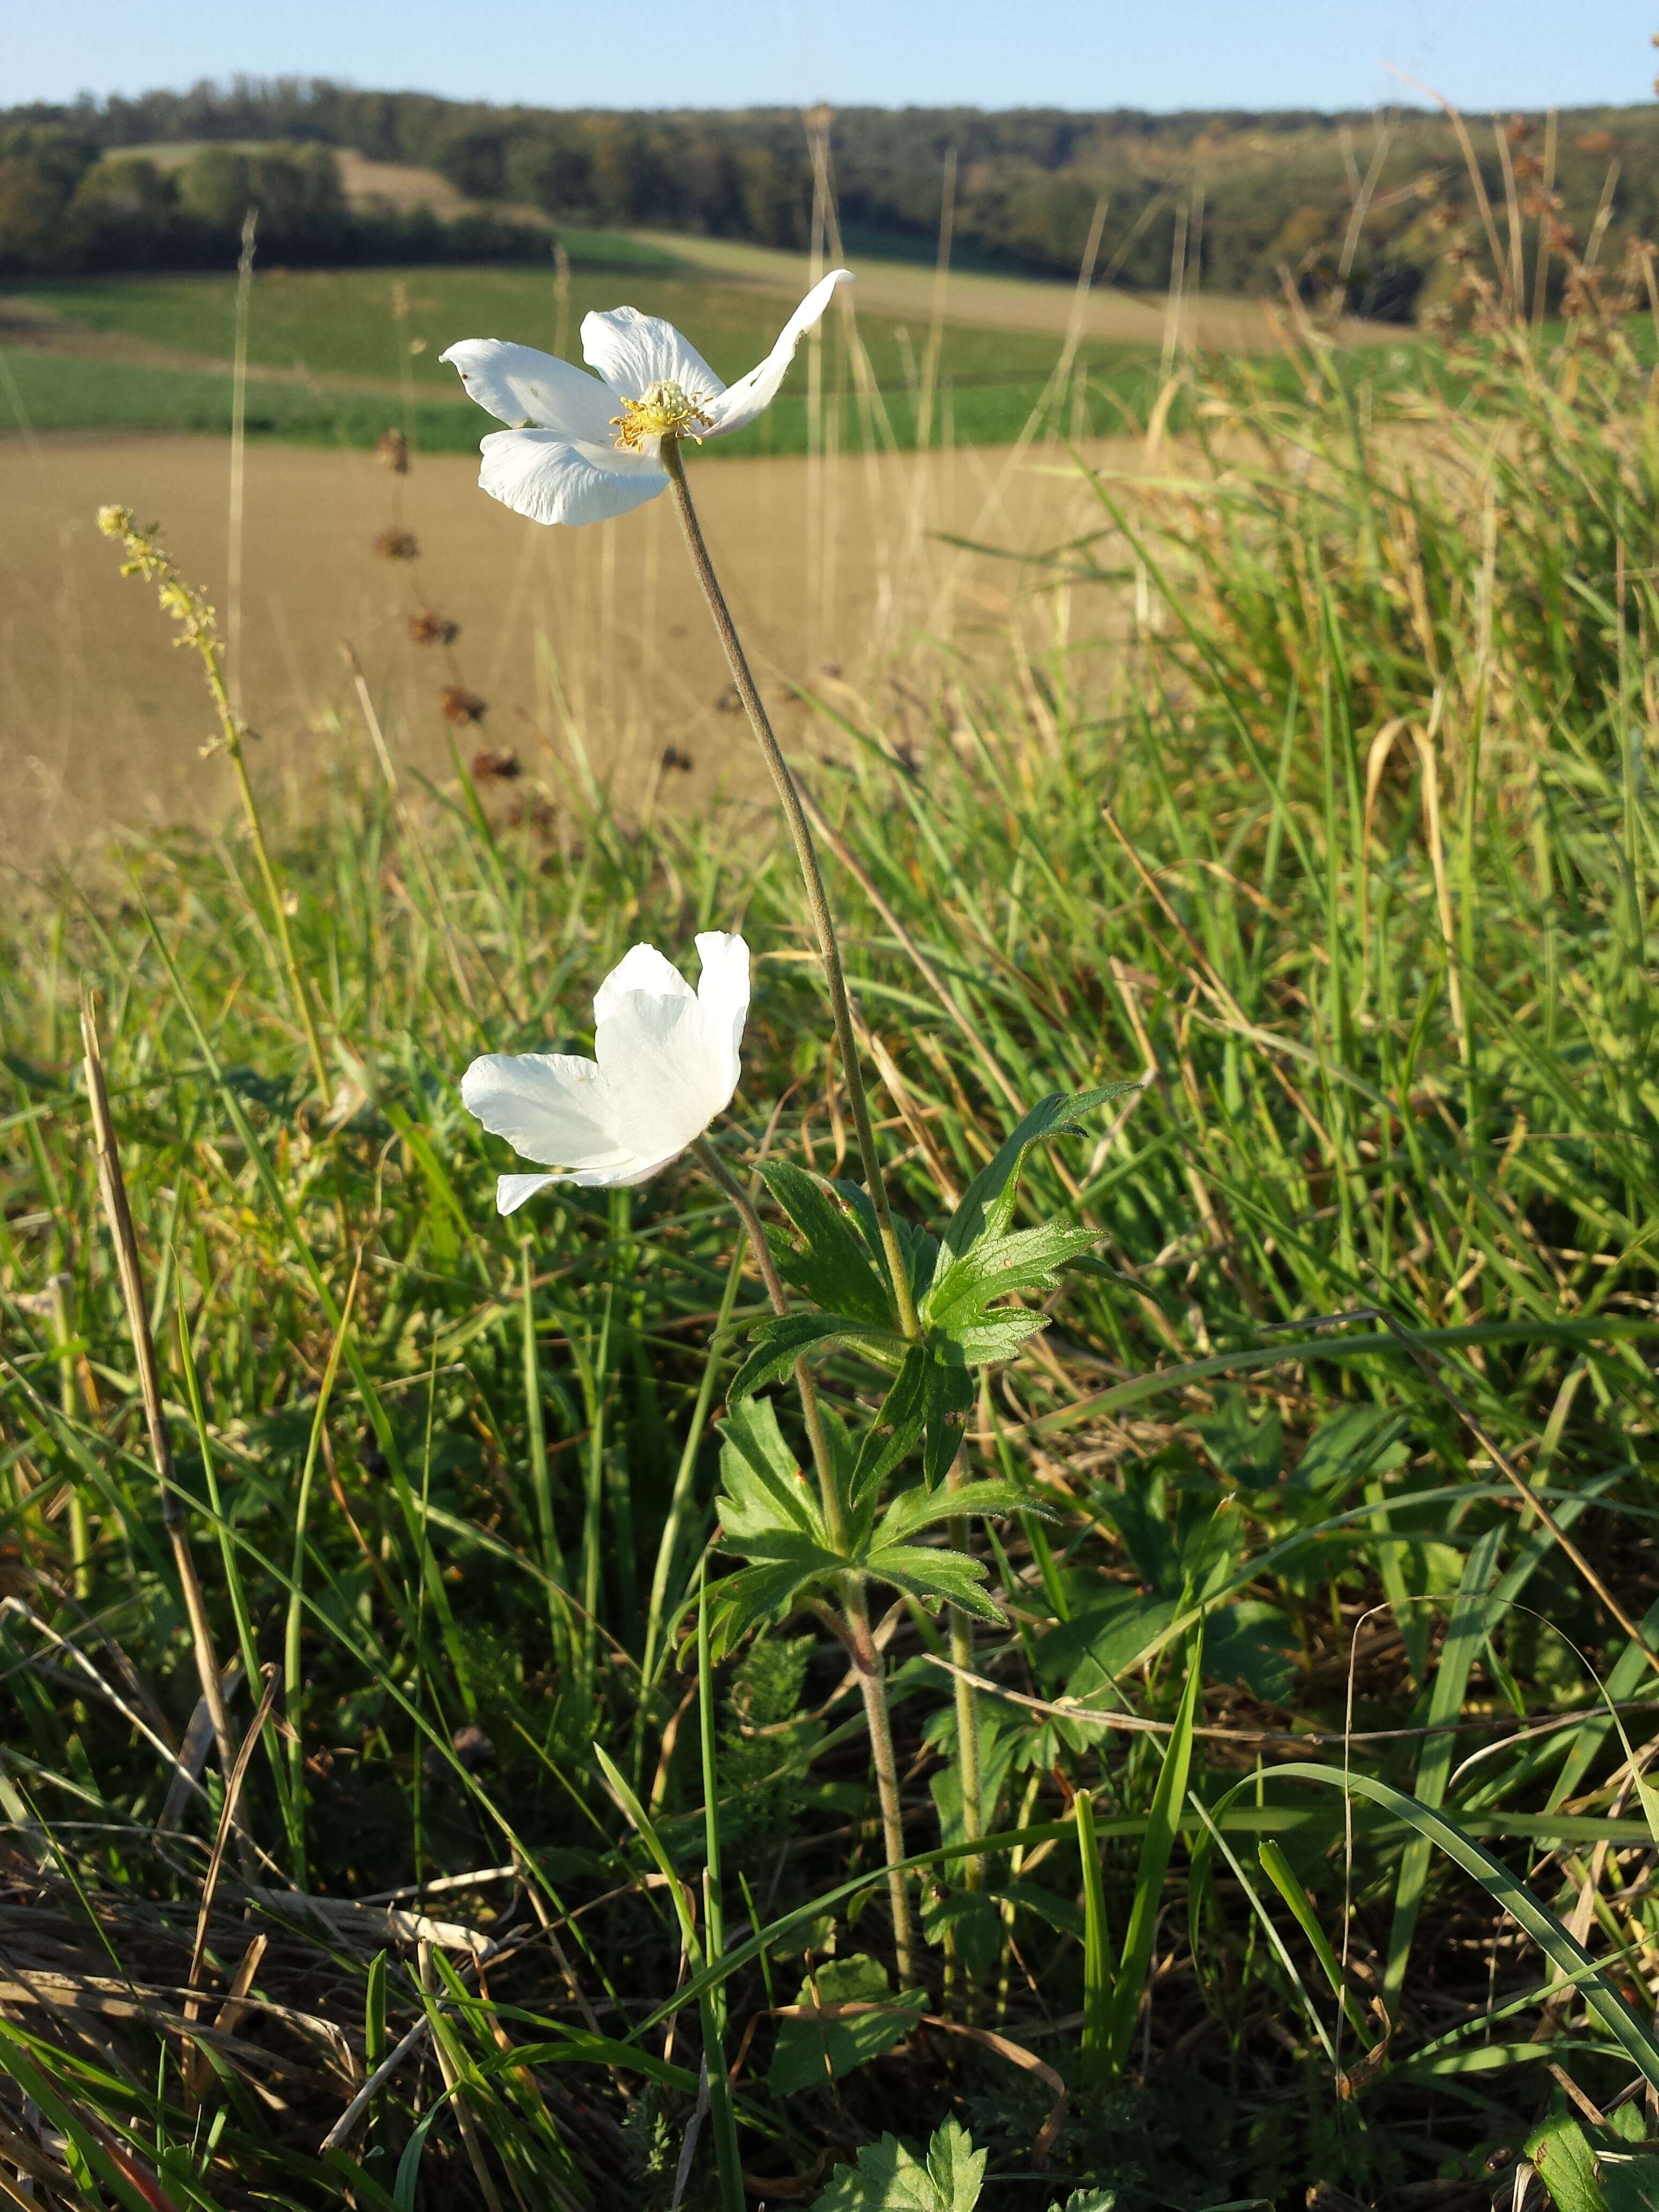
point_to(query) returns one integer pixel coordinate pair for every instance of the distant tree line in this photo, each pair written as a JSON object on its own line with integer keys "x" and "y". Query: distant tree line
{"x": 67, "y": 206}
{"x": 1240, "y": 201}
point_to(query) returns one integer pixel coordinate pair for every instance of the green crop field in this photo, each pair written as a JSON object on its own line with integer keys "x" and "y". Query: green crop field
{"x": 342, "y": 322}
{"x": 328, "y": 349}
{"x": 324, "y": 329}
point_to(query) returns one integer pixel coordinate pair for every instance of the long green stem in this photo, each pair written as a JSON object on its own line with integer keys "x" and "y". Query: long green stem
{"x": 861, "y": 1643}
{"x": 794, "y": 815}
{"x": 714, "y": 1915}
{"x": 967, "y": 1703}
{"x": 80, "y": 1529}
{"x": 855, "y": 1628}
{"x": 293, "y": 1672}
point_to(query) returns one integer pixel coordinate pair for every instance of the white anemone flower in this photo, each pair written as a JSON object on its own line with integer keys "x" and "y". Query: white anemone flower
{"x": 666, "y": 1062}
{"x": 572, "y": 456}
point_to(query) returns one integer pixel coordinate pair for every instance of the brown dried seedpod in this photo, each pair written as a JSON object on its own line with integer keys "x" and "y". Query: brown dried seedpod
{"x": 397, "y": 545}
{"x": 392, "y": 450}
{"x": 457, "y": 704}
{"x": 430, "y": 628}
{"x": 490, "y": 766}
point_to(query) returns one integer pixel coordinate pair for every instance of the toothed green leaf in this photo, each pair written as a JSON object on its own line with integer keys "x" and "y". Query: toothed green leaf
{"x": 997, "y": 1335}
{"x": 950, "y": 1396}
{"x": 1025, "y": 1260}
{"x": 987, "y": 1205}
{"x": 831, "y": 1263}
{"x": 776, "y": 1345}
{"x": 755, "y": 1597}
{"x": 761, "y": 1486}
{"x": 897, "y": 1427}
{"x": 889, "y": 2179}
{"x": 925, "y": 1509}
{"x": 828, "y": 2044}
{"x": 951, "y": 1577}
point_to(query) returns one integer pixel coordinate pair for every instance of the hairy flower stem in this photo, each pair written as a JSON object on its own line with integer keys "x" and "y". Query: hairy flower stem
{"x": 855, "y": 1627}
{"x": 967, "y": 1704}
{"x": 794, "y": 815}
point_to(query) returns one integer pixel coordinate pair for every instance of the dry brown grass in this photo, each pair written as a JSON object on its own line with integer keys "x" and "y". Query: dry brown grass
{"x": 1017, "y": 303}
{"x": 591, "y": 639}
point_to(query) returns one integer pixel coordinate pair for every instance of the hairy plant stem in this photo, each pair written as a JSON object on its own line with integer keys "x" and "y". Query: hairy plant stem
{"x": 855, "y": 1627}
{"x": 794, "y": 815}
{"x": 967, "y": 1704}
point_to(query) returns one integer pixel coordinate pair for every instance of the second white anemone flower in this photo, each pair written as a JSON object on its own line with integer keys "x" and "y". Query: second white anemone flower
{"x": 586, "y": 448}
{"x": 666, "y": 1062}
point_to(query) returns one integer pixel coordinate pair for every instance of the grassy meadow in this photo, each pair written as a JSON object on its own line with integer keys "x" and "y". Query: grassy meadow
{"x": 328, "y": 349}
{"x": 1278, "y": 1830}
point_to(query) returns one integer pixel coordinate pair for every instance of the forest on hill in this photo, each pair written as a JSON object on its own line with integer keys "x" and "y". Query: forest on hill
{"x": 1241, "y": 200}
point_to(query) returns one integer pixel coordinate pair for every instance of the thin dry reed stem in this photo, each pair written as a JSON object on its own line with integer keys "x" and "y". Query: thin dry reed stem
{"x": 118, "y": 1213}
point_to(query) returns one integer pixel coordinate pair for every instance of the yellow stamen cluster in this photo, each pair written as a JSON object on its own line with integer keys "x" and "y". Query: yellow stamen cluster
{"x": 663, "y": 411}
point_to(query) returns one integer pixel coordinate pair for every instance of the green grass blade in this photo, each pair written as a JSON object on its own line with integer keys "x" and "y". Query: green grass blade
{"x": 1163, "y": 1823}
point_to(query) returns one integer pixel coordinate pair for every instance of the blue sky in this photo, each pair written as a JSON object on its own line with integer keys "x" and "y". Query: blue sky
{"x": 1069, "y": 54}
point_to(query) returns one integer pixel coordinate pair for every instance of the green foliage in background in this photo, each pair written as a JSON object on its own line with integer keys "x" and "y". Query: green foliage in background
{"x": 1241, "y": 199}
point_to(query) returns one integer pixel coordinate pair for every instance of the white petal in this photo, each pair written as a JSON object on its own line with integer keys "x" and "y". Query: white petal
{"x": 723, "y": 995}
{"x": 624, "y": 1176}
{"x": 510, "y": 1191}
{"x": 750, "y": 395}
{"x": 641, "y": 968}
{"x": 519, "y": 384}
{"x": 541, "y": 474}
{"x": 631, "y": 351}
{"x": 668, "y": 1077}
{"x": 550, "y": 1107}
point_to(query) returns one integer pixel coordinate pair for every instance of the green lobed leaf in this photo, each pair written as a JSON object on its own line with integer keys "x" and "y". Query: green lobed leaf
{"x": 896, "y": 1429}
{"x": 1023, "y": 1260}
{"x": 810, "y": 2052}
{"x": 1248, "y": 1450}
{"x": 999, "y": 1335}
{"x": 950, "y": 1578}
{"x": 779, "y": 1342}
{"x": 949, "y": 1392}
{"x": 987, "y": 1205}
{"x": 919, "y": 1246}
{"x": 1253, "y": 1643}
{"x": 888, "y": 2177}
{"x": 968, "y": 1919}
{"x": 1566, "y": 2163}
{"x": 763, "y": 1489}
{"x": 754, "y": 1597}
{"x": 832, "y": 1262}
{"x": 1613, "y": 2168}
{"x": 922, "y": 1508}
{"x": 1360, "y": 1440}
